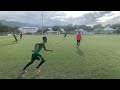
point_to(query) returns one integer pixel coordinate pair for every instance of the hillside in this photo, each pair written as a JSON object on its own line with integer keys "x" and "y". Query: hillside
{"x": 15, "y": 24}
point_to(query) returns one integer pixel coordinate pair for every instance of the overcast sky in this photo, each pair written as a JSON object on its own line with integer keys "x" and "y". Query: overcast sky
{"x": 62, "y": 17}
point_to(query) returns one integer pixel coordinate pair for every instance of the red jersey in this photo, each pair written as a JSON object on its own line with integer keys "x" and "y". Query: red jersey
{"x": 78, "y": 36}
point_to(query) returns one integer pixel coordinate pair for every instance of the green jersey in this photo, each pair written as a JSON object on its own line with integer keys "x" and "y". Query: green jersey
{"x": 65, "y": 35}
{"x": 14, "y": 35}
{"x": 39, "y": 48}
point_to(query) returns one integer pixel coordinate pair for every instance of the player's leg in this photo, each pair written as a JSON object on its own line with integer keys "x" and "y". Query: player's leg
{"x": 20, "y": 37}
{"x": 15, "y": 39}
{"x": 31, "y": 62}
{"x": 79, "y": 43}
{"x": 42, "y": 61}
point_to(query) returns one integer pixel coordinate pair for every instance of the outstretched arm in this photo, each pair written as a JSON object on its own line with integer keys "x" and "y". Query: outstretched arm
{"x": 47, "y": 49}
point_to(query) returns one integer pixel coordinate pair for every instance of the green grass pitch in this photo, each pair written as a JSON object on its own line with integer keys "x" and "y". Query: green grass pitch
{"x": 97, "y": 58}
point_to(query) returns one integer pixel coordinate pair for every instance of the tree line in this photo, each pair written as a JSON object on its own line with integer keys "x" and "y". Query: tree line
{"x": 72, "y": 28}
{"x": 67, "y": 28}
{"x": 5, "y": 28}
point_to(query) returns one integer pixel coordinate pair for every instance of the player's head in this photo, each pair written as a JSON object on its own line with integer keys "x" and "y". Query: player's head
{"x": 79, "y": 32}
{"x": 44, "y": 39}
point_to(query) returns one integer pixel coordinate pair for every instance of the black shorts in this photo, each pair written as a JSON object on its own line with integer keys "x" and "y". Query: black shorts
{"x": 15, "y": 38}
{"x": 36, "y": 57}
{"x": 78, "y": 41}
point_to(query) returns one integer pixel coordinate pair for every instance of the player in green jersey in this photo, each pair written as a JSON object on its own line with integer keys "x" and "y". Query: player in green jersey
{"x": 21, "y": 35}
{"x": 65, "y": 35}
{"x": 15, "y": 38}
{"x": 36, "y": 55}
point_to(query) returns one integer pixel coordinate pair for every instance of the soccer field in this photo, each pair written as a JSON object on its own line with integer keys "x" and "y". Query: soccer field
{"x": 97, "y": 58}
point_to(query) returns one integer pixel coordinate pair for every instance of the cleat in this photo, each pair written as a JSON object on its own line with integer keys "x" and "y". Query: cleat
{"x": 38, "y": 70}
{"x": 24, "y": 70}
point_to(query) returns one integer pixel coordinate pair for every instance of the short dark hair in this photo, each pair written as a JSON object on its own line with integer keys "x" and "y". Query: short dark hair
{"x": 44, "y": 37}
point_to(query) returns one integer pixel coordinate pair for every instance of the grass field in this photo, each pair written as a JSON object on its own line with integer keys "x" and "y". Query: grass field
{"x": 97, "y": 58}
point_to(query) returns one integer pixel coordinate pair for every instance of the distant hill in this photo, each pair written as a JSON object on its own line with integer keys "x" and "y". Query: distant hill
{"x": 15, "y": 24}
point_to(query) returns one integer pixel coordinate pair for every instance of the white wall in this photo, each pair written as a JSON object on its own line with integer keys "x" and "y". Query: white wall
{"x": 28, "y": 29}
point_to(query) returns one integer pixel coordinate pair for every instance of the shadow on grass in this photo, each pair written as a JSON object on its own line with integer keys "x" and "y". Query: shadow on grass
{"x": 79, "y": 52}
{"x": 8, "y": 44}
{"x": 20, "y": 76}
{"x": 34, "y": 77}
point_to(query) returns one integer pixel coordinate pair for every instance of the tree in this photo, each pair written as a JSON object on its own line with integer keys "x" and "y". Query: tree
{"x": 117, "y": 27}
{"x": 45, "y": 29}
{"x": 56, "y": 28}
{"x": 15, "y": 29}
{"x": 69, "y": 28}
{"x": 0, "y": 24}
{"x": 6, "y": 29}
{"x": 86, "y": 28}
{"x": 39, "y": 30}
{"x": 89, "y": 28}
{"x": 98, "y": 26}
{"x": 76, "y": 27}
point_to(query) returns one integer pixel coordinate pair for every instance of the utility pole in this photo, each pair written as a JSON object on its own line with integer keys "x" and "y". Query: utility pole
{"x": 42, "y": 22}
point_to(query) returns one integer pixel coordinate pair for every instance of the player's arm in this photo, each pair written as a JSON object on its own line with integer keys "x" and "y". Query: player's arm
{"x": 46, "y": 48}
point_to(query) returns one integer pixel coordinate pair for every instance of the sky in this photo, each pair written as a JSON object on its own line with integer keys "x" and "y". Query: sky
{"x": 62, "y": 17}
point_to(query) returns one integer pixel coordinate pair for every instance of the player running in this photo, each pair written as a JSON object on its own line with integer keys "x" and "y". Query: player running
{"x": 36, "y": 55}
{"x": 15, "y": 38}
{"x": 65, "y": 35}
{"x": 21, "y": 35}
{"x": 78, "y": 38}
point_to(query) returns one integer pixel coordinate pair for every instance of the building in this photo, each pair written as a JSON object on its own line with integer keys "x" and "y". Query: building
{"x": 108, "y": 30}
{"x": 62, "y": 31}
{"x": 81, "y": 31}
{"x": 52, "y": 32}
{"x": 28, "y": 29}
{"x": 97, "y": 31}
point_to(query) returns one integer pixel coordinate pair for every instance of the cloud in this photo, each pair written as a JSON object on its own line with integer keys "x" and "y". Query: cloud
{"x": 62, "y": 17}
{"x": 111, "y": 18}
{"x": 91, "y": 18}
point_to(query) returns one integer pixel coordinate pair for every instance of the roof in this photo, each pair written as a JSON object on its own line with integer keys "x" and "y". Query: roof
{"x": 80, "y": 30}
{"x": 52, "y": 31}
{"x": 108, "y": 29}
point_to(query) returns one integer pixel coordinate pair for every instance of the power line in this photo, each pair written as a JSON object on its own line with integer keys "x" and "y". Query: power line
{"x": 42, "y": 22}
{"x": 52, "y": 13}
{"x": 46, "y": 18}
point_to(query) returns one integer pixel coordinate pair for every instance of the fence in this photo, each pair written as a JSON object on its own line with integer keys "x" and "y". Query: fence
{"x": 6, "y": 33}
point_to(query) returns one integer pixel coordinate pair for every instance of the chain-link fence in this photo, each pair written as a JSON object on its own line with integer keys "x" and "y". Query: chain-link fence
{"x": 6, "y": 33}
